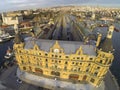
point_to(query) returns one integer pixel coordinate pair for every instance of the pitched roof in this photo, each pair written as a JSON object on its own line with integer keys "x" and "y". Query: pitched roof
{"x": 69, "y": 47}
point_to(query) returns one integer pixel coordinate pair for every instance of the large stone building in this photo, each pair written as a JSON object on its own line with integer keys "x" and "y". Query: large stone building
{"x": 70, "y": 61}
{"x": 12, "y": 18}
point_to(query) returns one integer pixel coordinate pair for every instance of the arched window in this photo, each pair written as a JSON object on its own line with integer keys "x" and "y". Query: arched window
{"x": 84, "y": 77}
{"x": 73, "y": 76}
{"x": 38, "y": 70}
{"x": 55, "y": 73}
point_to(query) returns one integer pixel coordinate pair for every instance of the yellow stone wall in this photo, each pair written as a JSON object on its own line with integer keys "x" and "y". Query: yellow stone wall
{"x": 75, "y": 67}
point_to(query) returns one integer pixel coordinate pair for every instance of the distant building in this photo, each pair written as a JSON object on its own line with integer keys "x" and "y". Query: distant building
{"x": 11, "y": 19}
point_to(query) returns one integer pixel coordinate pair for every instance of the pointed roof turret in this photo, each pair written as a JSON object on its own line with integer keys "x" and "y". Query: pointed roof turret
{"x": 107, "y": 45}
{"x": 18, "y": 39}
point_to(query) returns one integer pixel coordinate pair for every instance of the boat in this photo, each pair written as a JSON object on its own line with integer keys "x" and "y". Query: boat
{"x": 5, "y": 36}
{"x": 9, "y": 53}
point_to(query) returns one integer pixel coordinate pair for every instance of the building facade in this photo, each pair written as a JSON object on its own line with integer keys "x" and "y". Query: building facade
{"x": 11, "y": 19}
{"x": 68, "y": 61}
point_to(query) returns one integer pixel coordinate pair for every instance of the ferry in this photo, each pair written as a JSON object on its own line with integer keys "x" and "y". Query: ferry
{"x": 5, "y": 36}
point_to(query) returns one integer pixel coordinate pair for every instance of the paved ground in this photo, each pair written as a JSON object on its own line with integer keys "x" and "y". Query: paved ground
{"x": 55, "y": 84}
{"x": 8, "y": 81}
{"x": 108, "y": 84}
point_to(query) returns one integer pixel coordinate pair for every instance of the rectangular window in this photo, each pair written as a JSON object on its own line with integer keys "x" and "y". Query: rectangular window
{"x": 52, "y": 60}
{"x": 72, "y": 62}
{"x": 92, "y": 80}
{"x": 87, "y": 70}
{"x": 22, "y": 62}
{"x": 66, "y": 62}
{"x": 91, "y": 58}
{"x": 80, "y": 63}
{"x": 81, "y": 58}
{"x": 76, "y": 63}
{"x": 95, "y": 73}
{"x": 67, "y": 57}
{"x": 56, "y": 56}
{"x": 78, "y": 57}
{"x": 52, "y": 55}
{"x": 46, "y": 54}
{"x": 98, "y": 67}
{"x": 89, "y": 64}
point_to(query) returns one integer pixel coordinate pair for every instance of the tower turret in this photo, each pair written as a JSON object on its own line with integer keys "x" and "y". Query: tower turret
{"x": 106, "y": 44}
{"x": 110, "y": 32}
{"x": 98, "y": 40}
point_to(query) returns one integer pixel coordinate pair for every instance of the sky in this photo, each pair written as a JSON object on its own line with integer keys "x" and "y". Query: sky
{"x": 8, "y": 5}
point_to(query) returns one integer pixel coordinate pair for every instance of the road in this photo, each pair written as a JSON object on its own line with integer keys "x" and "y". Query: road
{"x": 9, "y": 80}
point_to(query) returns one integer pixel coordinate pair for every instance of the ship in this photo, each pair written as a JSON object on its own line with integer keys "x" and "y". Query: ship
{"x": 5, "y": 36}
{"x": 67, "y": 57}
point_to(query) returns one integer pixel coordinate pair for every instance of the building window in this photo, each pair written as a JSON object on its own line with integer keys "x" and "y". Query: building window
{"x": 55, "y": 66}
{"x": 95, "y": 73}
{"x": 30, "y": 68}
{"x": 92, "y": 80}
{"x": 52, "y": 60}
{"x": 78, "y": 57}
{"x": 24, "y": 68}
{"x": 81, "y": 58}
{"x": 103, "y": 55}
{"x": 65, "y": 68}
{"x": 76, "y": 63}
{"x": 38, "y": 70}
{"x": 109, "y": 62}
{"x": 73, "y": 76}
{"x": 80, "y": 63}
{"x": 55, "y": 61}
{"x": 66, "y": 62}
{"x": 78, "y": 69}
{"x": 100, "y": 61}
{"x": 98, "y": 67}
{"x": 91, "y": 58}
{"x": 89, "y": 64}
{"x": 55, "y": 73}
{"x": 52, "y": 55}
{"x": 46, "y": 65}
{"x": 72, "y": 62}
{"x": 59, "y": 56}
{"x": 19, "y": 51}
{"x": 67, "y": 57}
{"x": 21, "y": 57}
{"x": 84, "y": 77}
{"x": 56, "y": 56}
{"x": 37, "y": 63}
{"x": 46, "y": 54}
{"x": 87, "y": 70}
{"x": 46, "y": 60}
{"x": 22, "y": 62}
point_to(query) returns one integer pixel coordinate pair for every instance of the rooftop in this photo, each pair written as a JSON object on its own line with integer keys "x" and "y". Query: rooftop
{"x": 68, "y": 47}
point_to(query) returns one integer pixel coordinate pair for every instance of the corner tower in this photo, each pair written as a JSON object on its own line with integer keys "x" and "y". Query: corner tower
{"x": 105, "y": 54}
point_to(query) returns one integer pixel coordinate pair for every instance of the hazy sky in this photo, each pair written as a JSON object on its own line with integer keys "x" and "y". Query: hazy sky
{"x": 6, "y": 5}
